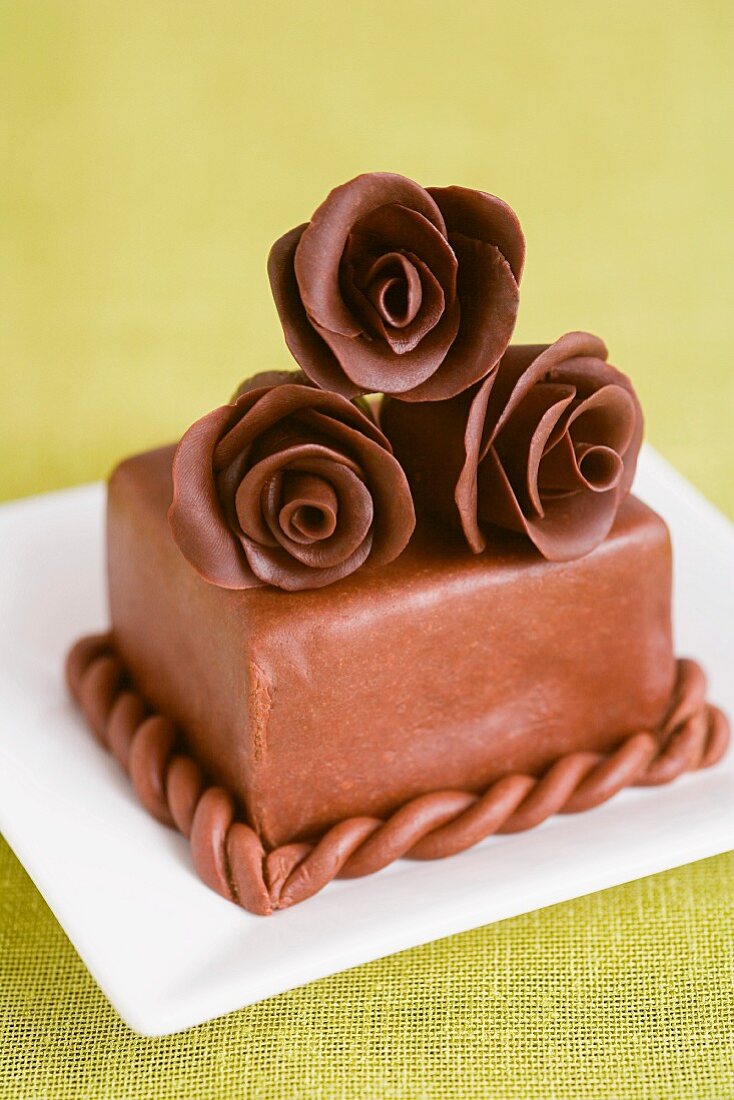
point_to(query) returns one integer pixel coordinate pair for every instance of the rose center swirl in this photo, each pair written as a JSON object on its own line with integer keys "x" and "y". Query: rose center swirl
{"x": 310, "y": 502}
{"x": 309, "y": 509}
{"x": 601, "y": 467}
{"x": 393, "y": 286}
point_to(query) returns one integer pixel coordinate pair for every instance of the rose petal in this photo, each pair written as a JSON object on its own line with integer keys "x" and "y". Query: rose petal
{"x": 573, "y": 525}
{"x": 277, "y": 567}
{"x": 467, "y": 489}
{"x": 497, "y": 504}
{"x": 523, "y": 365}
{"x": 522, "y": 444}
{"x": 484, "y": 217}
{"x": 488, "y": 296}
{"x": 292, "y": 403}
{"x": 267, "y": 379}
{"x": 304, "y": 343}
{"x": 559, "y": 472}
{"x": 606, "y": 417}
{"x": 323, "y": 422}
{"x": 372, "y": 366}
{"x": 195, "y": 516}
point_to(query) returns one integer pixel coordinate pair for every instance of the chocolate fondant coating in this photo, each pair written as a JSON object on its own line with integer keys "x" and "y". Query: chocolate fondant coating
{"x": 442, "y": 669}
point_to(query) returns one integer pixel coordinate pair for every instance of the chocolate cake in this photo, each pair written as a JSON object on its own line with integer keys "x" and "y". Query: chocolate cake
{"x": 347, "y": 630}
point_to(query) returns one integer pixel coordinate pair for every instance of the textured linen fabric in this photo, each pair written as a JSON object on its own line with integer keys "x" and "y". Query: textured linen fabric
{"x": 625, "y": 994}
{"x": 151, "y": 153}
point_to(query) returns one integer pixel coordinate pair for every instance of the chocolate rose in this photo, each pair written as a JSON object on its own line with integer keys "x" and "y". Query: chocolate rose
{"x": 546, "y": 445}
{"x": 288, "y": 486}
{"x": 392, "y": 288}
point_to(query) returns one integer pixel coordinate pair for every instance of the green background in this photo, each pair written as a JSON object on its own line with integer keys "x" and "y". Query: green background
{"x": 155, "y": 150}
{"x": 151, "y": 153}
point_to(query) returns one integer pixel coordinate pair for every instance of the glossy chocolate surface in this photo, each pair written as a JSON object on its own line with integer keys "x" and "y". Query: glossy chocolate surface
{"x": 438, "y": 670}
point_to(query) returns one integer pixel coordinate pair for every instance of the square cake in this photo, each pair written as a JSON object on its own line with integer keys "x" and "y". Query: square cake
{"x": 350, "y": 700}
{"x": 348, "y": 631}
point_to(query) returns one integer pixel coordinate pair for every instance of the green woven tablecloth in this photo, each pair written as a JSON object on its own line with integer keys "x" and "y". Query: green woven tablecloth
{"x": 628, "y": 993}
{"x": 151, "y": 152}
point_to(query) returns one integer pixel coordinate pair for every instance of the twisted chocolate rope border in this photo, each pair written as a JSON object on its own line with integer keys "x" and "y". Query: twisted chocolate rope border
{"x": 229, "y": 857}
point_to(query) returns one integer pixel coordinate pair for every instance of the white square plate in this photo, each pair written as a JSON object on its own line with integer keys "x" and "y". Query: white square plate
{"x": 167, "y": 951}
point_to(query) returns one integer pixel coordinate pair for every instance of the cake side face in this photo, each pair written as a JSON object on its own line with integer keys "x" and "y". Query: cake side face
{"x": 180, "y": 638}
{"x": 440, "y": 670}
